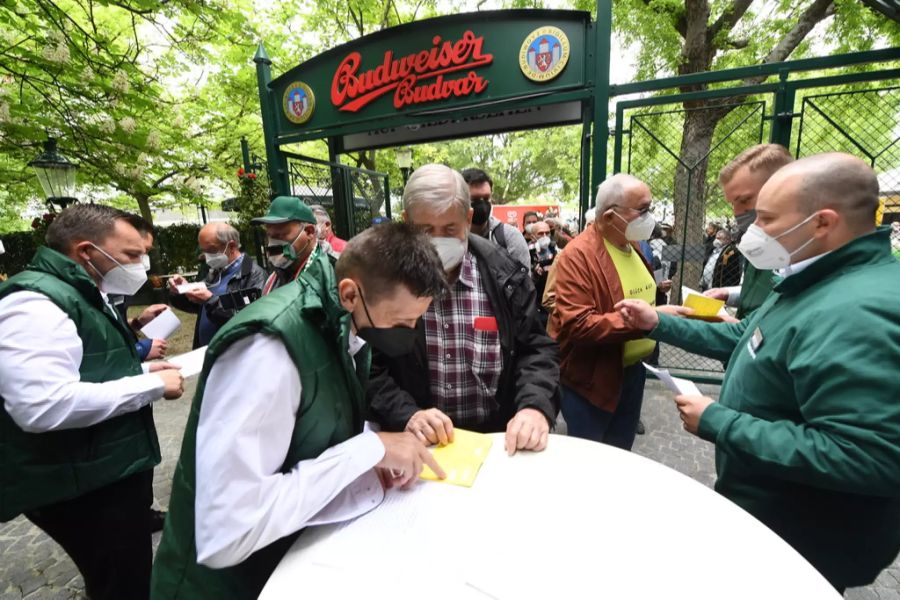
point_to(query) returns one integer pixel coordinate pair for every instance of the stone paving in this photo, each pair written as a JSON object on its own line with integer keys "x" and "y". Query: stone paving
{"x": 32, "y": 566}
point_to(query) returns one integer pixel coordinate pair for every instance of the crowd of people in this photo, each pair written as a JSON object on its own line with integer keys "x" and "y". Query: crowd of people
{"x": 325, "y": 380}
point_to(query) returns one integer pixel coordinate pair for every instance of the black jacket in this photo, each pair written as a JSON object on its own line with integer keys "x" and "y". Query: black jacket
{"x": 251, "y": 275}
{"x": 399, "y": 387}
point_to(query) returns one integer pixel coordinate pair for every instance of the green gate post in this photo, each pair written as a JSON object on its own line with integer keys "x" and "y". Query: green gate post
{"x": 783, "y": 111}
{"x": 277, "y": 163}
{"x": 339, "y": 192}
{"x": 245, "y": 154}
{"x": 585, "y": 192}
{"x": 602, "y": 37}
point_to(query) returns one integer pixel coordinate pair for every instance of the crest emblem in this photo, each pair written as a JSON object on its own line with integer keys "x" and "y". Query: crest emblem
{"x": 299, "y": 103}
{"x": 544, "y": 54}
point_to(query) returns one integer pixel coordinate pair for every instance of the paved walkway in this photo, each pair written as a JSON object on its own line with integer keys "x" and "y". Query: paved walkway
{"x": 32, "y": 566}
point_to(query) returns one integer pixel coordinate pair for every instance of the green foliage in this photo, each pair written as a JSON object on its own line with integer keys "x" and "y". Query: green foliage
{"x": 20, "y": 246}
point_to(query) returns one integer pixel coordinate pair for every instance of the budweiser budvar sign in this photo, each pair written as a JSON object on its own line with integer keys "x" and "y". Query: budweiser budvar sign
{"x": 415, "y": 78}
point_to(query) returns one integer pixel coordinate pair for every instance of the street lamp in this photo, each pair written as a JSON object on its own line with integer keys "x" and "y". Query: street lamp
{"x": 404, "y": 162}
{"x": 56, "y": 174}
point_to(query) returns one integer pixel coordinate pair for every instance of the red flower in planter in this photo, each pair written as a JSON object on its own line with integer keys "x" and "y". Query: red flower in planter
{"x": 241, "y": 172}
{"x": 252, "y": 176}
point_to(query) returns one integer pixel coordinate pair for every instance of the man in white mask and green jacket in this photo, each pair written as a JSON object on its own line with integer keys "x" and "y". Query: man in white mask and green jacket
{"x": 77, "y": 440}
{"x": 807, "y": 426}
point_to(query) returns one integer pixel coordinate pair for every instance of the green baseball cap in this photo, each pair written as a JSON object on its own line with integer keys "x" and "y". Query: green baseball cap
{"x": 287, "y": 208}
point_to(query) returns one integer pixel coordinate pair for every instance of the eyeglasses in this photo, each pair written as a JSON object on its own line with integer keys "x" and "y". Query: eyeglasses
{"x": 640, "y": 211}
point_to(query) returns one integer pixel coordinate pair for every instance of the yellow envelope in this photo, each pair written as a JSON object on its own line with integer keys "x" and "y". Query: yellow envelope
{"x": 703, "y": 306}
{"x": 462, "y": 459}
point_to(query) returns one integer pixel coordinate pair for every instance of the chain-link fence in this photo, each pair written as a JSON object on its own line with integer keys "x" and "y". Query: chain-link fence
{"x": 358, "y": 193}
{"x": 679, "y": 152}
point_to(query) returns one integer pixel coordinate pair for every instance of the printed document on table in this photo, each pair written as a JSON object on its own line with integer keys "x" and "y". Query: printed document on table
{"x": 676, "y": 384}
{"x": 162, "y": 326}
{"x": 460, "y": 459}
{"x": 191, "y": 362}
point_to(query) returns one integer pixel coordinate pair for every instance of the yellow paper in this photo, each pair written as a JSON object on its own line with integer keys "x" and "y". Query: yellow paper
{"x": 461, "y": 459}
{"x": 703, "y": 306}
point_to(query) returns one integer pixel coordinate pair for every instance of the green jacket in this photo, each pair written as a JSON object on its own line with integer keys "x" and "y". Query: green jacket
{"x": 37, "y": 469}
{"x": 306, "y": 315}
{"x": 807, "y": 427}
{"x": 756, "y": 286}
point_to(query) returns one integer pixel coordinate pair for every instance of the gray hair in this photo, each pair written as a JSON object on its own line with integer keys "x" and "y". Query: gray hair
{"x": 612, "y": 191}
{"x": 226, "y": 233}
{"x": 589, "y": 215}
{"x": 320, "y": 212}
{"x": 437, "y": 186}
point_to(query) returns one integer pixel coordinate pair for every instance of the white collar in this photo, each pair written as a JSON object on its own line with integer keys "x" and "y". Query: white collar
{"x": 355, "y": 344}
{"x": 797, "y": 267}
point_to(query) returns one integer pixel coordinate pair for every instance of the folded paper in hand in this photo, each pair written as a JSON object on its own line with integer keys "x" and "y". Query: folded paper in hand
{"x": 684, "y": 387}
{"x": 460, "y": 459}
{"x": 191, "y": 362}
{"x": 162, "y": 326}
{"x": 184, "y": 288}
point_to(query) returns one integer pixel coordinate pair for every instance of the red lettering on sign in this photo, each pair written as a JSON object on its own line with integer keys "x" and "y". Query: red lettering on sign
{"x": 351, "y": 90}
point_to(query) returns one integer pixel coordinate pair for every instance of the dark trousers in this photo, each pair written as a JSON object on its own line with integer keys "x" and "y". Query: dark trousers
{"x": 585, "y": 420}
{"x": 107, "y": 534}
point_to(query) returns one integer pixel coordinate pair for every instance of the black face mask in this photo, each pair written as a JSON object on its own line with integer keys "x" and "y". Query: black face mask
{"x": 391, "y": 341}
{"x": 745, "y": 220}
{"x": 481, "y": 211}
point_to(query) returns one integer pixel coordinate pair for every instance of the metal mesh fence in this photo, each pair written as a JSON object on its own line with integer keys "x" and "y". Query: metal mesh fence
{"x": 313, "y": 182}
{"x": 865, "y": 123}
{"x": 679, "y": 153}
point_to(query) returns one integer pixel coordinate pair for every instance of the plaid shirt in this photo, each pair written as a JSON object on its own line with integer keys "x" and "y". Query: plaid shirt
{"x": 464, "y": 364}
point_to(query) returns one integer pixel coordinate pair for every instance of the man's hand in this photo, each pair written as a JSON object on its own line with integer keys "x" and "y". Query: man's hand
{"x": 404, "y": 455}
{"x": 150, "y": 313}
{"x": 717, "y": 293}
{"x": 198, "y": 296}
{"x": 665, "y": 286}
{"x": 638, "y": 314}
{"x": 691, "y": 409}
{"x": 431, "y": 426}
{"x": 157, "y": 349}
{"x": 172, "y": 380}
{"x": 528, "y": 430}
{"x": 175, "y": 281}
{"x": 674, "y": 310}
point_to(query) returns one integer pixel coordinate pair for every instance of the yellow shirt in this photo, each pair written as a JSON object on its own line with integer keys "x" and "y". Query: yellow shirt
{"x": 637, "y": 284}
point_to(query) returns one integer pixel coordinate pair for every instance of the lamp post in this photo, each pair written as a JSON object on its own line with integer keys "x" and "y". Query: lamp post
{"x": 56, "y": 173}
{"x": 404, "y": 162}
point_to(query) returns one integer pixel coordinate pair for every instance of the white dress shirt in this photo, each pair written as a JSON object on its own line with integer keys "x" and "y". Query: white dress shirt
{"x": 40, "y": 355}
{"x": 243, "y": 501}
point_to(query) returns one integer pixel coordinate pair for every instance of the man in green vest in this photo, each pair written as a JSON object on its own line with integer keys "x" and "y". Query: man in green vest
{"x": 275, "y": 439}
{"x": 807, "y": 426}
{"x": 77, "y": 440}
{"x": 741, "y": 180}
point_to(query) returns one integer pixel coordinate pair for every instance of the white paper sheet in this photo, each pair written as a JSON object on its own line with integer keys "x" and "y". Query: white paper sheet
{"x": 678, "y": 385}
{"x": 190, "y": 287}
{"x": 191, "y": 362}
{"x": 162, "y": 326}
{"x": 659, "y": 276}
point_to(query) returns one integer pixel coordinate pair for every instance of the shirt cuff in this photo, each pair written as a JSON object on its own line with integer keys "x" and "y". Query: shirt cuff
{"x": 148, "y": 387}
{"x": 713, "y": 420}
{"x": 734, "y": 296}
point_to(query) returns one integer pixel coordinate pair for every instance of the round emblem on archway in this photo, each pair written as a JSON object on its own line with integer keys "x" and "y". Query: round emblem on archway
{"x": 299, "y": 103}
{"x": 544, "y": 54}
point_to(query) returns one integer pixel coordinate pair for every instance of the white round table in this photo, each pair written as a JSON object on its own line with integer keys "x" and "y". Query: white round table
{"x": 579, "y": 520}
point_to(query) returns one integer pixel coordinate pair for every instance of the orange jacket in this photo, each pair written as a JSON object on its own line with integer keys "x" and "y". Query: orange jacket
{"x": 589, "y": 331}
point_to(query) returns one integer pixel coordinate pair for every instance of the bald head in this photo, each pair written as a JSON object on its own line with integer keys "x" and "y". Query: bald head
{"x": 836, "y": 181}
{"x": 616, "y": 189}
{"x": 219, "y": 237}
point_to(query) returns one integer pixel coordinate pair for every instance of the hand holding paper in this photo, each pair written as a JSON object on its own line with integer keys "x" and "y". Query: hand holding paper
{"x": 676, "y": 384}
{"x": 162, "y": 326}
{"x": 461, "y": 459}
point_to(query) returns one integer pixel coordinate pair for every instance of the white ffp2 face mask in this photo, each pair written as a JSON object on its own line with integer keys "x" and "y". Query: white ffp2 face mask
{"x": 764, "y": 251}
{"x": 451, "y": 251}
{"x": 216, "y": 261}
{"x": 121, "y": 279}
{"x": 639, "y": 229}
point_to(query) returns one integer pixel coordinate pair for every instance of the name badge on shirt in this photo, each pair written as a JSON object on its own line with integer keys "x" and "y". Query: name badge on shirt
{"x": 756, "y": 340}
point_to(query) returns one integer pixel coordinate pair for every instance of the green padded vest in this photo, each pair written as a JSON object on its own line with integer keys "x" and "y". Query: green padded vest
{"x": 37, "y": 469}
{"x": 307, "y": 317}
